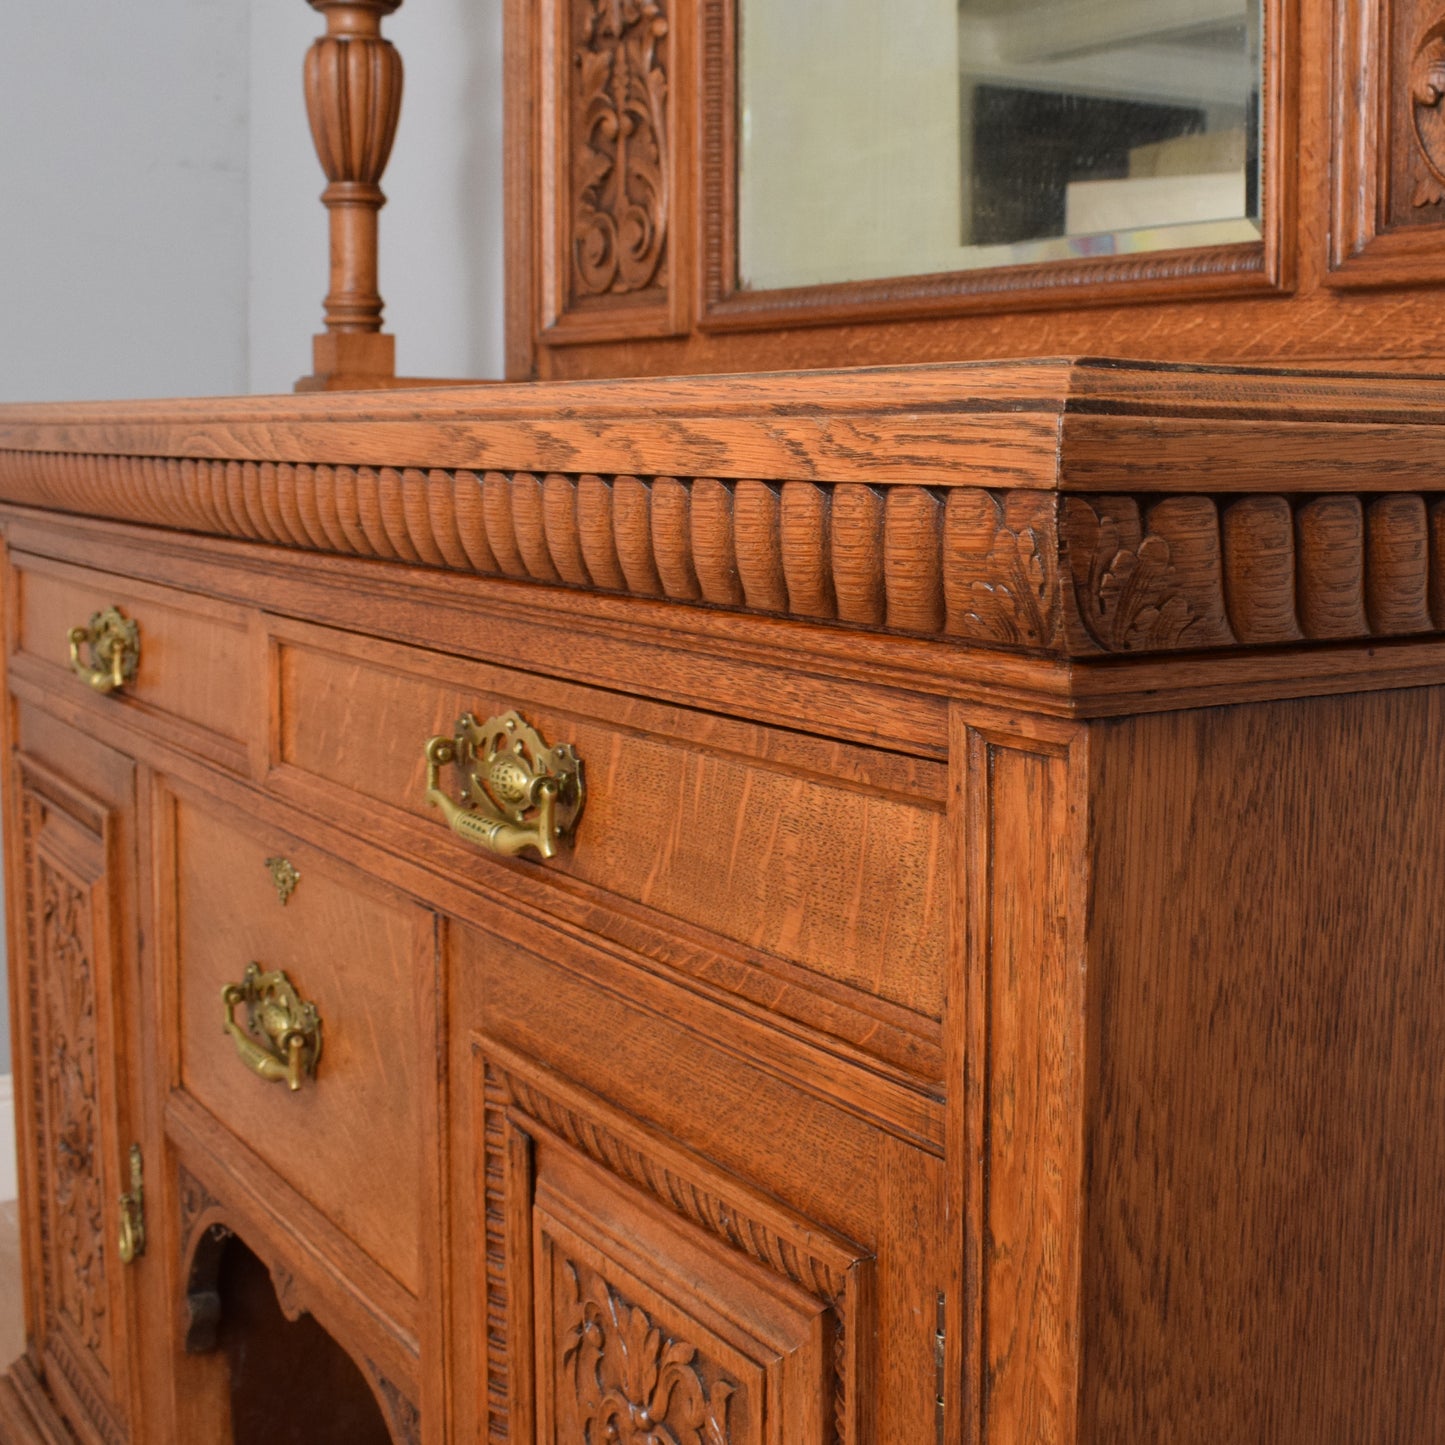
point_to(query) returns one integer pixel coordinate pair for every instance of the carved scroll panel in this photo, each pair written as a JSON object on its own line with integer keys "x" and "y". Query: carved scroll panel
{"x": 67, "y": 980}
{"x": 641, "y": 1307}
{"x": 610, "y": 232}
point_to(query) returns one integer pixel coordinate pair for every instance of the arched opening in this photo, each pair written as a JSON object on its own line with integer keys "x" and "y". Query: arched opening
{"x": 290, "y": 1383}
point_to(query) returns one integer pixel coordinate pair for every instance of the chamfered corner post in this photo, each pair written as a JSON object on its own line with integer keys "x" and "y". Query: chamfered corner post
{"x": 353, "y": 98}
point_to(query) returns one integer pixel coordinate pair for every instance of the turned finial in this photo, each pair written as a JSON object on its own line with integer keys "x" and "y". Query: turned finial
{"x": 353, "y": 99}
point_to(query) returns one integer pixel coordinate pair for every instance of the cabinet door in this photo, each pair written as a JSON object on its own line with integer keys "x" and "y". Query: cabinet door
{"x": 73, "y": 871}
{"x": 658, "y": 1236}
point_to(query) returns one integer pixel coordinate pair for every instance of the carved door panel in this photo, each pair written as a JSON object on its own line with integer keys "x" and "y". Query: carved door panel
{"x": 70, "y": 984}
{"x": 645, "y": 1299}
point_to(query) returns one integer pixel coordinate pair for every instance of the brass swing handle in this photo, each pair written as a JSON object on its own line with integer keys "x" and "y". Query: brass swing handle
{"x": 114, "y": 643}
{"x": 518, "y": 792}
{"x": 282, "y": 1038}
{"x": 131, "y": 1240}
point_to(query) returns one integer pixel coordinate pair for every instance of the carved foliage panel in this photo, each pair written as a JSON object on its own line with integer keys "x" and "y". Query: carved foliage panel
{"x": 611, "y": 111}
{"x": 628, "y": 1301}
{"x": 620, "y": 1362}
{"x": 70, "y": 965}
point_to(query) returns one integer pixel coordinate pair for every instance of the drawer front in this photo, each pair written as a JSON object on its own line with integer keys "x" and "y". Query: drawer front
{"x": 194, "y": 664}
{"x": 824, "y": 860}
{"x": 347, "y": 1139}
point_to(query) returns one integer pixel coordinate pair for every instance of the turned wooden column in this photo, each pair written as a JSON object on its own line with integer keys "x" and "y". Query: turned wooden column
{"x": 353, "y": 98}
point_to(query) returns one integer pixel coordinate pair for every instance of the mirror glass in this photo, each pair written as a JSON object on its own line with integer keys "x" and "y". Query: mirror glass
{"x": 905, "y": 137}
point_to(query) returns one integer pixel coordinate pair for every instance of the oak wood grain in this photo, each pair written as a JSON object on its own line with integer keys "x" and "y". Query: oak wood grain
{"x": 1162, "y": 565}
{"x": 355, "y": 958}
{"x": 1264, "y": 1103}
{"x": 821, "y": 876}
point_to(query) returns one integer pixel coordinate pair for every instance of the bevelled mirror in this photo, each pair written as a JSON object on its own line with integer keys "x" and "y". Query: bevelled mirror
{"x": 894, "y": 139}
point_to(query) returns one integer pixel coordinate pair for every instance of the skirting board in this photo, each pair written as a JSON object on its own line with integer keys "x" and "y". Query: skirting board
{"x": 8, "y": 1188}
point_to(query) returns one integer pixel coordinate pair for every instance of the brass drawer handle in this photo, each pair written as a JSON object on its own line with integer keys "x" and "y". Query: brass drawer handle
{"x": 114, "y": 642}
{"x": 517, "y": 792}
{"x": 282, "y": 1037}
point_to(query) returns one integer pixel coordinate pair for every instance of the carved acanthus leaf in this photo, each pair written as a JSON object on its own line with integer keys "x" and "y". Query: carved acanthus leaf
{"x": 195, "y": 1200}
{"x": 404, "y": 1415}
{"x": 634, "y": 1384}
{"x": 1014, "y": 603}
{"x": 1128, "y": 596}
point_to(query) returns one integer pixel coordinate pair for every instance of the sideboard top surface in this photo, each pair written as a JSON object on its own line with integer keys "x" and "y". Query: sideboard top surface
{"x": 1075, "y": 511}
{"x": 1075, "y": 424}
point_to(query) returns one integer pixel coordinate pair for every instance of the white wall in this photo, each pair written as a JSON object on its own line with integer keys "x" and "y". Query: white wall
{"x": 122, "y": 198}
{"x": 160, "y": 228}
{"x": 441, "y": 230}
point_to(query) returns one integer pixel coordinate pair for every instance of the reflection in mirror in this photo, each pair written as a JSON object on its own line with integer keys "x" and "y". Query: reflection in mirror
{"x": 890, "y": 139}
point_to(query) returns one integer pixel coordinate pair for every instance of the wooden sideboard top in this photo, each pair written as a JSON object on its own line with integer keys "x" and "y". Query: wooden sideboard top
{"x": 1086, "y": 424}
{"x": 1067, "y": 510}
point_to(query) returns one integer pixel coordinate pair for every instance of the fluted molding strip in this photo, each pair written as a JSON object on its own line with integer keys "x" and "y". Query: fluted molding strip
{"x": 1034, "y": 570}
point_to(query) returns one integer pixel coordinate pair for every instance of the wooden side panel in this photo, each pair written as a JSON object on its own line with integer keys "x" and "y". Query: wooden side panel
{"x": 1016, "y": 1130}
{"x": 71, "y": 1110}
{"x": 1267, "y": 1146}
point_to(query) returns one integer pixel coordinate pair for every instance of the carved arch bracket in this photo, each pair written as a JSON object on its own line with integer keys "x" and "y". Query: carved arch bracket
{"x": 205, "y": 1230}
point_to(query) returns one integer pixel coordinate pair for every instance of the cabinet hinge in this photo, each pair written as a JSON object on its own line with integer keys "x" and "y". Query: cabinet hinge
{"x": 940, "y": 1355}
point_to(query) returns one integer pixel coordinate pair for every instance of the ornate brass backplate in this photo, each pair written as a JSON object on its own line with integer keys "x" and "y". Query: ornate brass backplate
{"x": 113, "y": 641}
{"x": 517, "y": 791}
{"x": 281, "y": 1041}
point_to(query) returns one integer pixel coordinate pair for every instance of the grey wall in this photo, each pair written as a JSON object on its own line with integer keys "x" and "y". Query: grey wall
{"x": 160, "y": 229}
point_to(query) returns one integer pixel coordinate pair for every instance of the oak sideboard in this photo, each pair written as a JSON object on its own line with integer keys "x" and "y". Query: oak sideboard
{"x": 884, "y": 907}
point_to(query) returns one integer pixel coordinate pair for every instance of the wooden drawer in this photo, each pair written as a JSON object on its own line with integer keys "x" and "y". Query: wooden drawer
{"x": 195, "y": 682}
{"x": 815, "y": 870}
{"x": 348, "y": 1140}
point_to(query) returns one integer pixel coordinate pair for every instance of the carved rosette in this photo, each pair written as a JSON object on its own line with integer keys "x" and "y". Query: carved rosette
{"x": 1427, "y": 91}
{"x": 67, "y": 978}
{"x": 620, "y": 146}
{"x": 633, "y": 1383}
